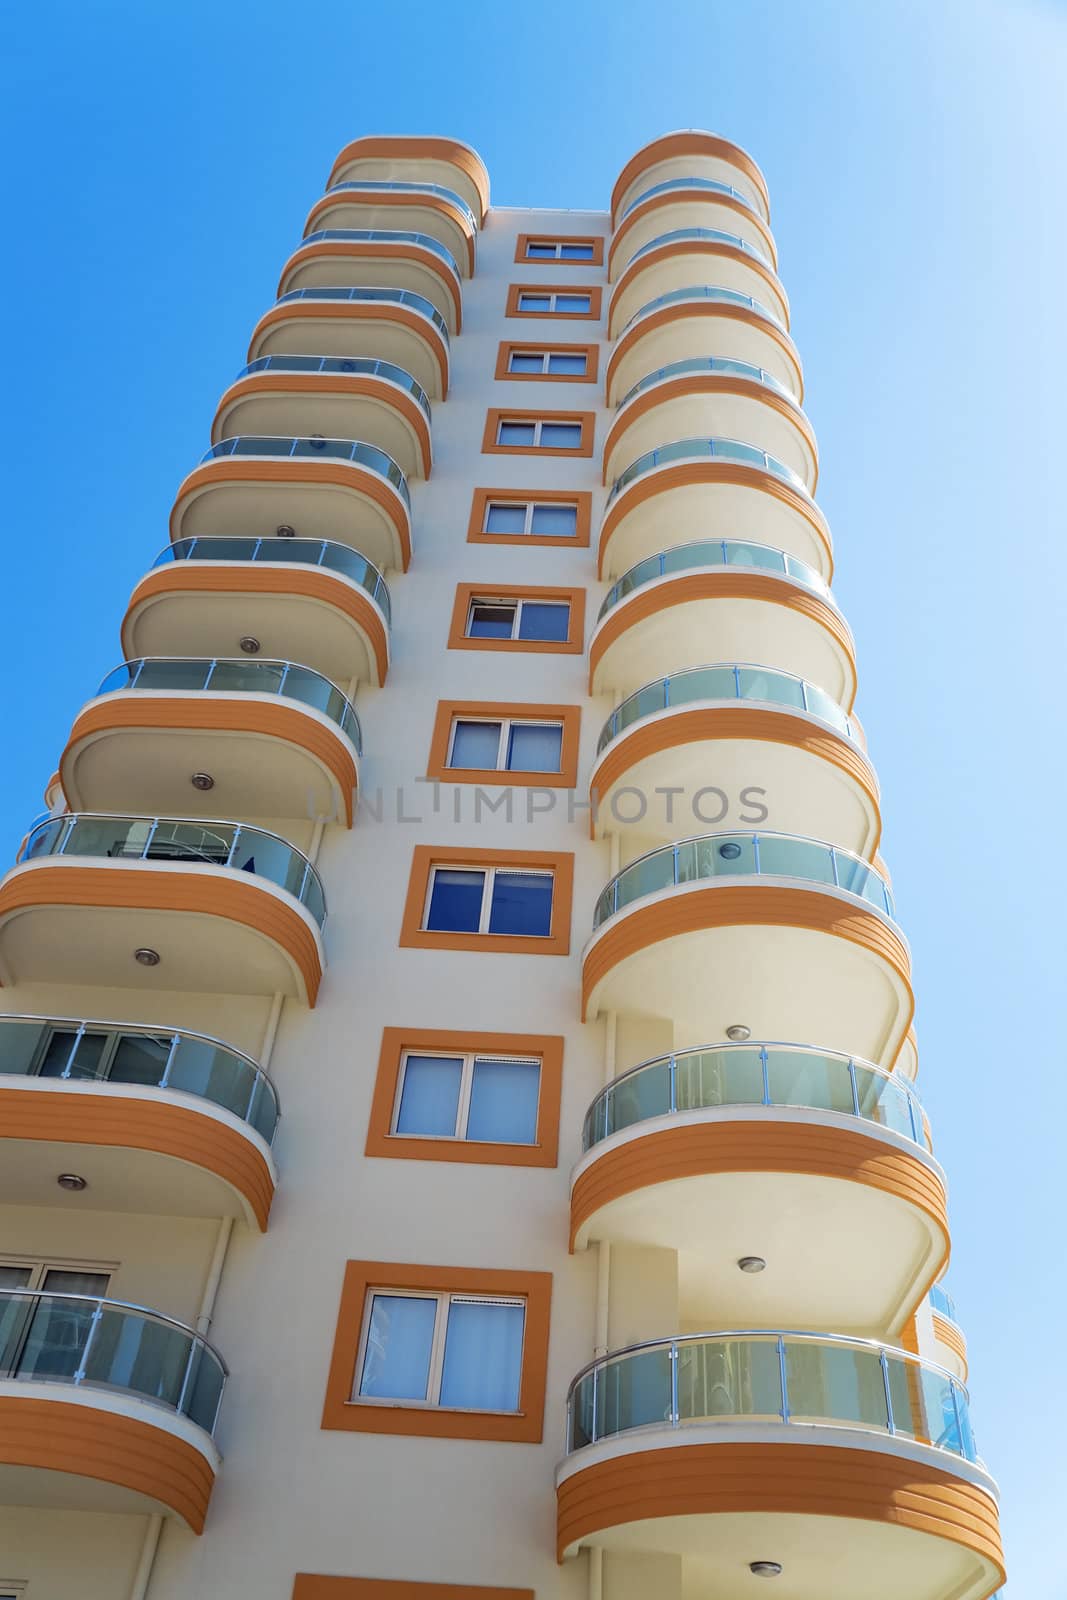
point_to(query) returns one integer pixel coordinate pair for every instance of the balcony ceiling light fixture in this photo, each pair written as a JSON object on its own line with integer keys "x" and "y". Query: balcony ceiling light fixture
{"x": 249, "y": 644}
{"x": 202, "y": 781}
{"x": 738, "y": 1031}
{"x": 146, "y": 957}
{"x": 285, "y": 530}
{"x": 751, "y": 1263}
{"x": 765, "y": 1569}
{"x": 72, "y": 1181}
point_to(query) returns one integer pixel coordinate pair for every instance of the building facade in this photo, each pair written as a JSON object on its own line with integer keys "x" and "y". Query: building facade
{"x": 559, "y": 1216}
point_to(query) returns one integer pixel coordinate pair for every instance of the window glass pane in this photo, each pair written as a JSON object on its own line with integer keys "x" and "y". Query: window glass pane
{"x": 141, "y": 1059}
{"x": 545, "y": 620}
{"x": 521, "y": 362}
{"x": 534, "y": 302}
{"x": 429, "y": 1099}
{"x": 455, "y": 901}
{"x": 561, "y": 435}
{"x": 475, "y": 744}
{"x": 574, "y": 365}
{"x": 522, "y": 903}
{"x": 505, "y": 519}
{"x": 14, "y": 1277}
{"x": 57, "y": 1054}
{"x": 540, "y": 252}
{"x": 572, "y": 302}
{"x": 522, "y": 433}
{"x": 504, "y": 1098}
{"x": 490, "y": 621}
{"x": 535, "y": 747}
{"x": 576, "y": 252}
{"x": 483, "y": 1356}
{"x": 555, "y": 522}
{"x": 396, "y": 1365}
{"x": 60, "y": 1280}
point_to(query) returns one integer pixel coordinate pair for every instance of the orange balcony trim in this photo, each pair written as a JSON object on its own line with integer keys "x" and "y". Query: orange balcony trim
{"x": 678, "y": 197}
{"x": 687, "y": 247}
{"x": 393, "y": 147}
{"x": 383, "y": 197}
{"x": 689, "y": 143}
{"x": 325, "y": 248}
{"x": 947, "y": 1333}
{"x": 702, "y": 308}
{"x": 319, "y": 383}
{"x": 356, "y": 311}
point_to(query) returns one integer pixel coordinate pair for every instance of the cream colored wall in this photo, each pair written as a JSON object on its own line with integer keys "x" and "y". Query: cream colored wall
{"x": 90, "y": 1555}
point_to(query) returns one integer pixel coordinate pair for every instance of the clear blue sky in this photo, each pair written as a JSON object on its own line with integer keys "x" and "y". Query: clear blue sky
{"x": 160, "y": 160}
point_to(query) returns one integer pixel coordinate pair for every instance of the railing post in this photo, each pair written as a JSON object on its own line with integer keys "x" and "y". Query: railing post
{"x": 783, "y": 1377}
{"x": 593, "y": 1414}
{"x": 148, "y": 841}
{"x": 78, "y": 1037}
{"x": 672, "y": 1071}
{"x": 187, "y": 1377}
{"x": 210, "y": 673}
{"x": 233, "y": 845}
{"x": 258, "y": 547}
{"x": 137, "y": 673}
{"x": 956, "y": 1412}
{"x": 833, "y": 867}
{"x": 737, "y": 682}
{"x": 854, "y": 1086}
{"x": 755, "y": 851}
{"x": 257, "y": 1079}
{"x": 884, "y": 1363}
{"x": 675, "y": 1419}
{"x": 674, "y": 864}
{"x": 175, "y": 1041}
{"x": 304, "y": 881}
{"x": 90, "y": 1336}
{"x": 765, "y": 1069}
{"x": 66, "y": 836}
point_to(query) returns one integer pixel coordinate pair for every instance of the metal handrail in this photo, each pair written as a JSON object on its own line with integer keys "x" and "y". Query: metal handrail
{"x": 696, "y": 449}
{"x": 379, "y": 184}
{"x": 327, "y": 553}
{"x": 372, "y": 293}
{"x": 713, "y": 553}
{"x": 741, "y": 369}
{"x": 705, "y": 291}
{"x": 317, "y": 445}
{"x": 717, "y": 235}
{"x": 365, "y": 366}
{"x": 426, "y": 241}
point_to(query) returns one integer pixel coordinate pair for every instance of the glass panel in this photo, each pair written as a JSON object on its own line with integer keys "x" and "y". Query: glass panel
{"x": 797, "y": 1078}
{"x": 14, "y": 1277}
{"x": 429, "y": 1099}
{"x": 576, "y": 252}
{"x": 646, "y": 876}
{"x": 795, "y": 858}
{"x": 573, "y": 302}
{"x": 522, "y": 904}
{"x": 504, "y": 1097}
{"x": 834, "y": 1383}
{"x": 248, "y": 677}
{"x": 203, "y": 1390}
{"x": 729, "y": 1378}
{"x": 109, "y": 836}
{"x": 555, "y": 521}
{"x": 139, "y": 1058}
{"x": 205, "y": 1069}
{"x": 561, "y": 435}
{"x": 535, "y": 747}
{"x": 483, "y": 1356}
{"x": 534, "y": 302}
{"x": 718, "y": 1078}
{"x": 487, "y": 621}
{"x": 505, "y": 519}
{"x": 475, "y": 745}
{"x": 19, "y": 1043}
{"x": 523, "y": 434}
{"x": 571, "y": 366}
{"x": 396, "y": 1365}
{"x": 455, "y": 901}
{"x": 55, "y": 1335}
{"x": 542, "y": 619}
{"x": 776, "y": 687}
{"x": 540, "y": 252}
{"x": 634, "y": 1391}
{"x": 646, "y": 1094}
{"x": 58, "y": 1054}
{"x": 188, "y": 841}
{"x": 519, "y": 361}
{"x": 887, "y": 1102}
{"x": 138, "y": 1353}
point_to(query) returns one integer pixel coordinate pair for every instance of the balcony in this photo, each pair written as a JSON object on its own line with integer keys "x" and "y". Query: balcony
{"x": 384, "y": 324}
{"x": 260, "y": 738}
{"x": 320, "y": 489}
{"x": 690, "y": 153}
{"x": 406, "y": 207}
{"x": 105, "y": 1407}
{"x": 950, "y": 1337}
{"x": 747, "y": 597}
{"x": 799, "y": 935}
{"x": 365, "y": 257}
{"x": 702, "y": 320}
{"x": 687, "y": 202}
{"x": 333, "y": 397}
{"x": 420, "y": 159}
{"x": 728, "y": 488}
{"x": 683, "y": 256}
{"x": 308, "y": 600}
{"x": 157, "y": 1122}
{"x": 711, "y": 395}
{"x": 162, "y": 903}
{"x": 845, "y": 1466}
{"x": 740, "y": 1151}
{"x": 755, "y": 729}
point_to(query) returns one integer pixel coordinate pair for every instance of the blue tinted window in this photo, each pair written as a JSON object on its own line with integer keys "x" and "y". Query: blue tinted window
{"x": 541, "y": 620}
{"x": 522, "y": 904}
{"x": 555, "y": 522}
{"x": 455, "y": 901}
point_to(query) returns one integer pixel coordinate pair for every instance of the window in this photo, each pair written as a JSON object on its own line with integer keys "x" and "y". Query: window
{"x": 541, "y": 300}
{"x": 44, "y": 1337}
{"x": 515, "y": 901}
{"x": 515, "y": 519}
{"x": 542, "y": 516}
{"x": 527, "y": 432}
{"x": 549, "y": 621}
{"x": 553, "y": 363}
{"x": 442, "y": 1350}
{"x": 548, "y": 363}
{"x": 485, "y": 741}
{"x": 506, "y": 746}
{"x": 480, "y": 1098}
{"x": 585, "y": 249}
{"x": 489, "y": 618}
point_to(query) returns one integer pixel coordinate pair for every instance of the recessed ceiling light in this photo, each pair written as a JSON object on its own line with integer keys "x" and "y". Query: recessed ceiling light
{"x": 202, "y": 781}
{"x": 765, "y": 1569}
{"x": 72, "y": 1181}
{"x": 751, "y": 1263}
{"x": 249, "y": 644}
{"x": 285, "y": 530}
{"x": 738, "y": 1031}
{"x": 146, "y": 957}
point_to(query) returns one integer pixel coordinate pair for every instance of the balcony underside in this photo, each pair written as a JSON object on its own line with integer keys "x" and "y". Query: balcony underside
{"x": 366, "y": 264}
{"x": 685, "y": 208}
{"x": 417, "y": 158}
{"x": 332, "y": 406}
{"x": 701, "y": 328}
{"x": 708, "y": 405}
{"x": 380, "y": 330}
{"x": 430, "y": 214}
{"x": 679, "y": 264}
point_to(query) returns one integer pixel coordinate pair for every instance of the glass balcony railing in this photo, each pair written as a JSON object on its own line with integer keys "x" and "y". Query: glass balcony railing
{"x": 695, "y": 235}
{"x": 358, "y": 366}
{"x": 106, "y": 1344}
{"x": 364, "y": 455}
{"x": 214, "y": 844}
{"x": 340, "y": 558}
{"x": 709, "y": 186}
{"x": 700, "y": 449}
{"x": 379, "y": 185}
{"x": 706, "y": 291}
{"x": 713, "y": 364}
{"x": 785, "y": 1075}
{"x": 943, "y": 1303}
{"x": 220, "y": 675}
{"x": 397, "y": 297}
{"x": 156, "y": 1058}
{"x": 703, "y": 553}
{"x": 727, "y": 681}
{"x": 735, "y": 855}
{"x": 425, "y": 241}
{"x": 803, "y": 1379}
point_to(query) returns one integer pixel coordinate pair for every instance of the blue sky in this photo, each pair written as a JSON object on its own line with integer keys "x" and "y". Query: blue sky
{"x": 160, "y": 161}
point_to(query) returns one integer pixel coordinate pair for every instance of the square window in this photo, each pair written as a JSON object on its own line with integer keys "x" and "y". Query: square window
{"x": 540, "y": 252}
{"x": 544, "y": 620}
{"x": 573, "y": 302}
{"x": 535, "y": 747}
{"x": 482, "y": 1361}
{"x": 504, "y": 1099}
{"x": 521, "y": 903}
{"x": 576, "y": 252}
{"x": 475, "y": 745}
{"x": 505, "y": 518}
{"x": 469, "y": 1097}
{"x": 396, "y": 1362}
{"x": 517, "y": 433}
{"x": 562, "y": 365}
{"x": 488, "y": 619}
{"x": 516, "y": 901}
{"x": 526, "y": 361}
{"x": 455, "y": 901}
{"x": 429, "y": 1097}
{"x": 459, "y": 1352}
{"x": 555, "y": 521}
{"x": 560, "y": 436}
{"x": 535, "y": 302}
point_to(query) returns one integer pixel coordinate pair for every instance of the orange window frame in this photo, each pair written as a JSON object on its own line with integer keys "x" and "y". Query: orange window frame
{"x": 510, "y": 347}
{"x": 458, "y": 638}
{"x": 586, "y": 421}
{"x": 449, "y": 711}
{"x": 342, "y": 1412}
{"x": 396, "y": 1042}
{"x": 524, "y": 240}
{"x": 581, "y": 499}
{"x": 425, "y": 857}
{"x": 593, "y": 290}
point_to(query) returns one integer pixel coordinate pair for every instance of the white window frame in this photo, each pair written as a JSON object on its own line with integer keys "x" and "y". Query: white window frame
{"x": 466, "y": 1085}
{"x": 546, "y": 362}
{"x": 538, "y": 426}
{"x": 558, "y": 246}
{"x": 505, "y": 725}
{"x": 530, "y": 507}
{"x": 40, "y": 1267}
{"x": 445, "y": 1299}
{"x": 516, "y": 603}
{"x": 488, "y": 881}
{"x": 13, "y": 1589}
{"x": 553, "y": 296}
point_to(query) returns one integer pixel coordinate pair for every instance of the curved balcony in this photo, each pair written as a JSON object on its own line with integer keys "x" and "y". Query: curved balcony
{"x": 261, "y": 738}
{"x": 712, "y": 395}
{"x": 683, "y": 256}
{"x": 156, "y": 1121}
{"x": 702, "y": 320}
{"x": 390, "y": 257}
{"x": 725, "y": 487}
{"x": 407, "y": 207}
{"x": 418, "y": 158}
{"x": 799, "y": 935}
{"x": 105, "y": 1406}
{"x": 393, "y": 325}
{"x": 690, "y": 152}
{"x": 748, "y": 597}
{"x": 687, "y": 202}
{"x": 308, "y": 600}
{"x": 258, "y": 486}
{"x": 766, "y": 735}
{"x": 162, "y": 903}
{"x": 846, "y": 1465}
{"x": 336, "y": 397}
{"x": 951, "y": 1340}
{"x": 738, "y": 1150}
